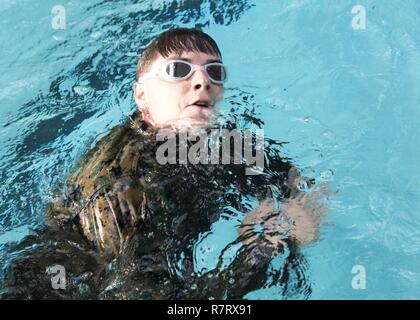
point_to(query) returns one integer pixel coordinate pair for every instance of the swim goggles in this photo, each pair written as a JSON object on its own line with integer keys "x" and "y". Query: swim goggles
{"x": 178, "y": 70}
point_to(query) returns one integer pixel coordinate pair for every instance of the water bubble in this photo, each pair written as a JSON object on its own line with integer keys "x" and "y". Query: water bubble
{"x": 326, "y": 175}
{"x": 302, "y": 185}
{"x": 193, "y": 286}
{"x": 231, "y": 281}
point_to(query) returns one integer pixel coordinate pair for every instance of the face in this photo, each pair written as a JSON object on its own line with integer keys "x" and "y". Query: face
{"x": 171, "y": 103}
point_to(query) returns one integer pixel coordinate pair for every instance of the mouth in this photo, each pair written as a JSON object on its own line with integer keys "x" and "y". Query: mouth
{"x": 202, "y": 104}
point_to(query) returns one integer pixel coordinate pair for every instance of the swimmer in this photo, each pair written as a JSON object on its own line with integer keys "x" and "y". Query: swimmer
{"x": 132, "y": 211}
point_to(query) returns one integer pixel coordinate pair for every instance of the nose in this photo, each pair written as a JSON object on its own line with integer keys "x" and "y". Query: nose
{"x": 200, "y": 80}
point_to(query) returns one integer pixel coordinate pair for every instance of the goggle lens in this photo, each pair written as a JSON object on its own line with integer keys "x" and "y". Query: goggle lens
{"x": 178, "y": 69}
{"x": 216, "y": 72}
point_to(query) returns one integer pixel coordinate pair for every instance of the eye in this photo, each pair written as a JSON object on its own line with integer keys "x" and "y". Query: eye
{"x": 178, "y": 69}
{"x": 216, "y": 72}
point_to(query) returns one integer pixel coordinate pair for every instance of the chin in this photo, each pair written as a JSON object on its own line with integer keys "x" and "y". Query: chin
{"x": 199, "y": 114}
{"x": 192, "y": 118}
{"x": 194, "y": 122}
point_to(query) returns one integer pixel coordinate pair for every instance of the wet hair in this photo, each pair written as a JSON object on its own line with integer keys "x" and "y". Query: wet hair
{"x": 176, "y": 41}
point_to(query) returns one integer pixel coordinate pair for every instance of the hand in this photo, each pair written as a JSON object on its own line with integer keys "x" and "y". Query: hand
{"x": 299, "y": 219}
{"x": 272, "y": 224}
{"x": 306, "y": 210}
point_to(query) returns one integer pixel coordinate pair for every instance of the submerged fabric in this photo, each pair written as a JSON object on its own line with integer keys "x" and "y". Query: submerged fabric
{"x": 125, "y": 221}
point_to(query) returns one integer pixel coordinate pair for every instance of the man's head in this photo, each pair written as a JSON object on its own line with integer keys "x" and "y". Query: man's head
{"x": 165, "y": 101}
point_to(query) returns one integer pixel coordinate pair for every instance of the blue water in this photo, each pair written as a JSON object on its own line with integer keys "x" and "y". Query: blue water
{"x": 346, "y": 100}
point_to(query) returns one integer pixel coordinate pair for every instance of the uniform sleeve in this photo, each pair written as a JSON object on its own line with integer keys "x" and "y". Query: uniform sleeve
{"x": 30, "y": 274}
{"x": 102, "y": 199}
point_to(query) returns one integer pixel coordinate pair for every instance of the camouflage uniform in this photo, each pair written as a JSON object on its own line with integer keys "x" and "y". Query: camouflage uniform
{"x": 104, "y": 200}
{"x": 142, "y": 216}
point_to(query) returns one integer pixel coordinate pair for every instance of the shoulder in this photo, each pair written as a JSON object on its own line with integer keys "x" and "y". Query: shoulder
{"x": 97, "y": 162}
{"x": 102, "y": 196}
{"x": 114, "y": 156}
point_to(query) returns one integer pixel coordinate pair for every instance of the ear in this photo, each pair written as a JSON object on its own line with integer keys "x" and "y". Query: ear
{"x": 139, "y": 96}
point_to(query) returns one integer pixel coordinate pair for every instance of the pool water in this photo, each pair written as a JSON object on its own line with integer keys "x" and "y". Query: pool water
{"x": 346, "y": 100}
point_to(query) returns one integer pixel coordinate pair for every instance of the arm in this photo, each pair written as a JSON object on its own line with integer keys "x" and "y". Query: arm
{"x": 27, "y": 275}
